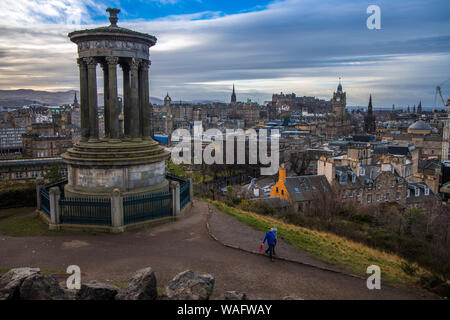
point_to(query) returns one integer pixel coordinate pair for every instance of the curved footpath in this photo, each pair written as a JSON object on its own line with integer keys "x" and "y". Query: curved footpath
{"x": 186, "y": 244}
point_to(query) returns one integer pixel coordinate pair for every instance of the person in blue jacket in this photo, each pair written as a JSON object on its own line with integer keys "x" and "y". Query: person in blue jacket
{"x": 271, "y": 240}
{"x": 275, "y": 232}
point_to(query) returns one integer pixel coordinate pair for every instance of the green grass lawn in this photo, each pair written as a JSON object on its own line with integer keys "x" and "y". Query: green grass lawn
{"x": 23, "y": 222}
{"x": 330, "y": 248}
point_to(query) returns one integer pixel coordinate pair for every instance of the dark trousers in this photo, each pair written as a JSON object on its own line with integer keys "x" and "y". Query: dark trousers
{"x": 270, "y": 250}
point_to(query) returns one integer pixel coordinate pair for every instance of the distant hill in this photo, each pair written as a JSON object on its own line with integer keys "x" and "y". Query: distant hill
{"x": 23, "y": 97}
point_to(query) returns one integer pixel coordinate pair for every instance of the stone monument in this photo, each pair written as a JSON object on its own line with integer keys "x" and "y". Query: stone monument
{"x": 127, "y": 158}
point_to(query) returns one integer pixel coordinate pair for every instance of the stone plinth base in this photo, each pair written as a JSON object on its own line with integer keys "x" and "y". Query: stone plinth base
{"x": 133, "y": 167}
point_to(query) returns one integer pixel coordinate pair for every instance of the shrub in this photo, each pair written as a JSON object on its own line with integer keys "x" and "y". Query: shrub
{"x": 17, "y": 194}
{"x": 257, "y": 206}
{"x": 408, "y": 268}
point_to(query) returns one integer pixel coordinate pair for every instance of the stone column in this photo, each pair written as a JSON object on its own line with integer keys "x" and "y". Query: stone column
{"x": 145, "y": 100}
{"x": 39, "y": 185}
{"x": 93, "y": 105}
{"x": 84, "y": 101}
{"x": 55, "y": 195}
{"x": 134, "y": 112}
{"x": 175, "y": 192}
{"x": 106, "y": 98}
{"x": 126, "y": 99}
{"x": 113, "y": 102}
{"x": 117, "y": 221}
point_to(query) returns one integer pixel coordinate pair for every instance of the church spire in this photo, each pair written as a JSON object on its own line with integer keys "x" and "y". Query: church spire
{"x": 233, "y": 95}
{"x": 75, "y": 100}
{"x": 419, "y": 107}
{"x": 369, "y": 120}
{"x": 370, "y": 107}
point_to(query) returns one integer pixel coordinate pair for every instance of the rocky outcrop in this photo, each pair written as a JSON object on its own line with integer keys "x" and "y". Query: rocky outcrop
{"x": 235, "y": 295}
{"x": 11, "y": 281}
{"x": 190, "y": 286}
{"x": 41, "y": 287}
{"x": 30, "y": 284}
{"x": 142, "y": 286}
{"x": 96, "y": 291}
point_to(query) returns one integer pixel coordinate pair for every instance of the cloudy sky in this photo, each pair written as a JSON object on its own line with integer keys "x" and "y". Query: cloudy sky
{"x": 204, "y": 46}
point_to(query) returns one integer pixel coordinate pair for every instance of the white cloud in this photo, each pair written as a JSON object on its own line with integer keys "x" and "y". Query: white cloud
{"x": 300, "y": 46}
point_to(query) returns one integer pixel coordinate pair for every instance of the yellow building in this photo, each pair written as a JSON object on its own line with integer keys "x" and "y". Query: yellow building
{"x": 300, "y": 190}
{"x": 279, "y": 190}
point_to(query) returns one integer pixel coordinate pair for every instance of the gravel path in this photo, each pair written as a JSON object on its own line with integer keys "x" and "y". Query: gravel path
{"x": 185, "y": 244}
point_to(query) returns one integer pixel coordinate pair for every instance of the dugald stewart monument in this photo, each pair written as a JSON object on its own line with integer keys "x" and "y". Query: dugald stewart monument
{"x": 127, "y": 158}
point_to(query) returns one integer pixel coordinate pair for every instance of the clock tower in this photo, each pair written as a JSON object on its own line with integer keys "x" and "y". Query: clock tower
{"x": 339, "y": 102}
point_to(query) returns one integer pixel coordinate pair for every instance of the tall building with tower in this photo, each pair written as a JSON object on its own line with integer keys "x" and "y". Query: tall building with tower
{"x": 338, "y": 121}
{"x": 339, "y": 102}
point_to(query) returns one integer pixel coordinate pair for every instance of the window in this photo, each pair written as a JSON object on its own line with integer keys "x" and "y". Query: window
{"x": 427, "y": 191}
{"x": 353, "y": 177}
{"x": 387, "y": 197}
{"x": 362, "y": 171}
{"x": 358, "y": 193}
{"x": 369, "y": 198}
{"x": 378, "y": 197}
{"x": 416, "y": 191}
{"x": 393, "y": 183}
{"x": 282, "y": 192}
{"x": 398, "y": 195}
{"x": 408, "y": 193}
{"x": 277, "y": 189}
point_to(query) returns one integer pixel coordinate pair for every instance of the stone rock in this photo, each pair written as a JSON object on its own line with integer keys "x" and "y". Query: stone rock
{"x": 142, "y": 286}
{"x": 41, "y": 287}
{"x": 189, "y": 286}
{"x": 97, "y": 291}
{"x": 11, "y": 281}
{"x": 235, "y": 295}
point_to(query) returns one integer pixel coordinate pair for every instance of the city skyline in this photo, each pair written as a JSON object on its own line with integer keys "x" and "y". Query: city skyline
{"x": 263, "y": 47}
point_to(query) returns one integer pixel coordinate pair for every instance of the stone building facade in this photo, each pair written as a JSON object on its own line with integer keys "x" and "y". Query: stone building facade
{"x": 43, "y": 140}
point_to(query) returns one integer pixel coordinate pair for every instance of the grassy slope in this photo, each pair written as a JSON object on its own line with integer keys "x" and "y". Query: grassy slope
{"x": 328, "y": 247}
{"x": 22, "y": 222}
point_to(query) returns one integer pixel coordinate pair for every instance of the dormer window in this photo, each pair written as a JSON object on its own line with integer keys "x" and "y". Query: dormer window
{"x": 416, "y": 192}
{"x": 427, "y": 191}
{"x": 353, "y": 177}
{"x": 362, "y": 172}
{"x": 408, "y": 193}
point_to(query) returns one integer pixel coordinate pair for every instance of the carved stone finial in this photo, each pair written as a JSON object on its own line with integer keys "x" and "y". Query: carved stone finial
{"x": 113, "y": 12}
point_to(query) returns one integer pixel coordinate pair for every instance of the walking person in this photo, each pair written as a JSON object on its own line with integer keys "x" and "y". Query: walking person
{"x": 275, "y": 232}
{"x": 270, "y": 237}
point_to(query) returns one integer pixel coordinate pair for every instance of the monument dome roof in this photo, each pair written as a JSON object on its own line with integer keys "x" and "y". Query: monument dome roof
{"x": 420, "y": 125}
